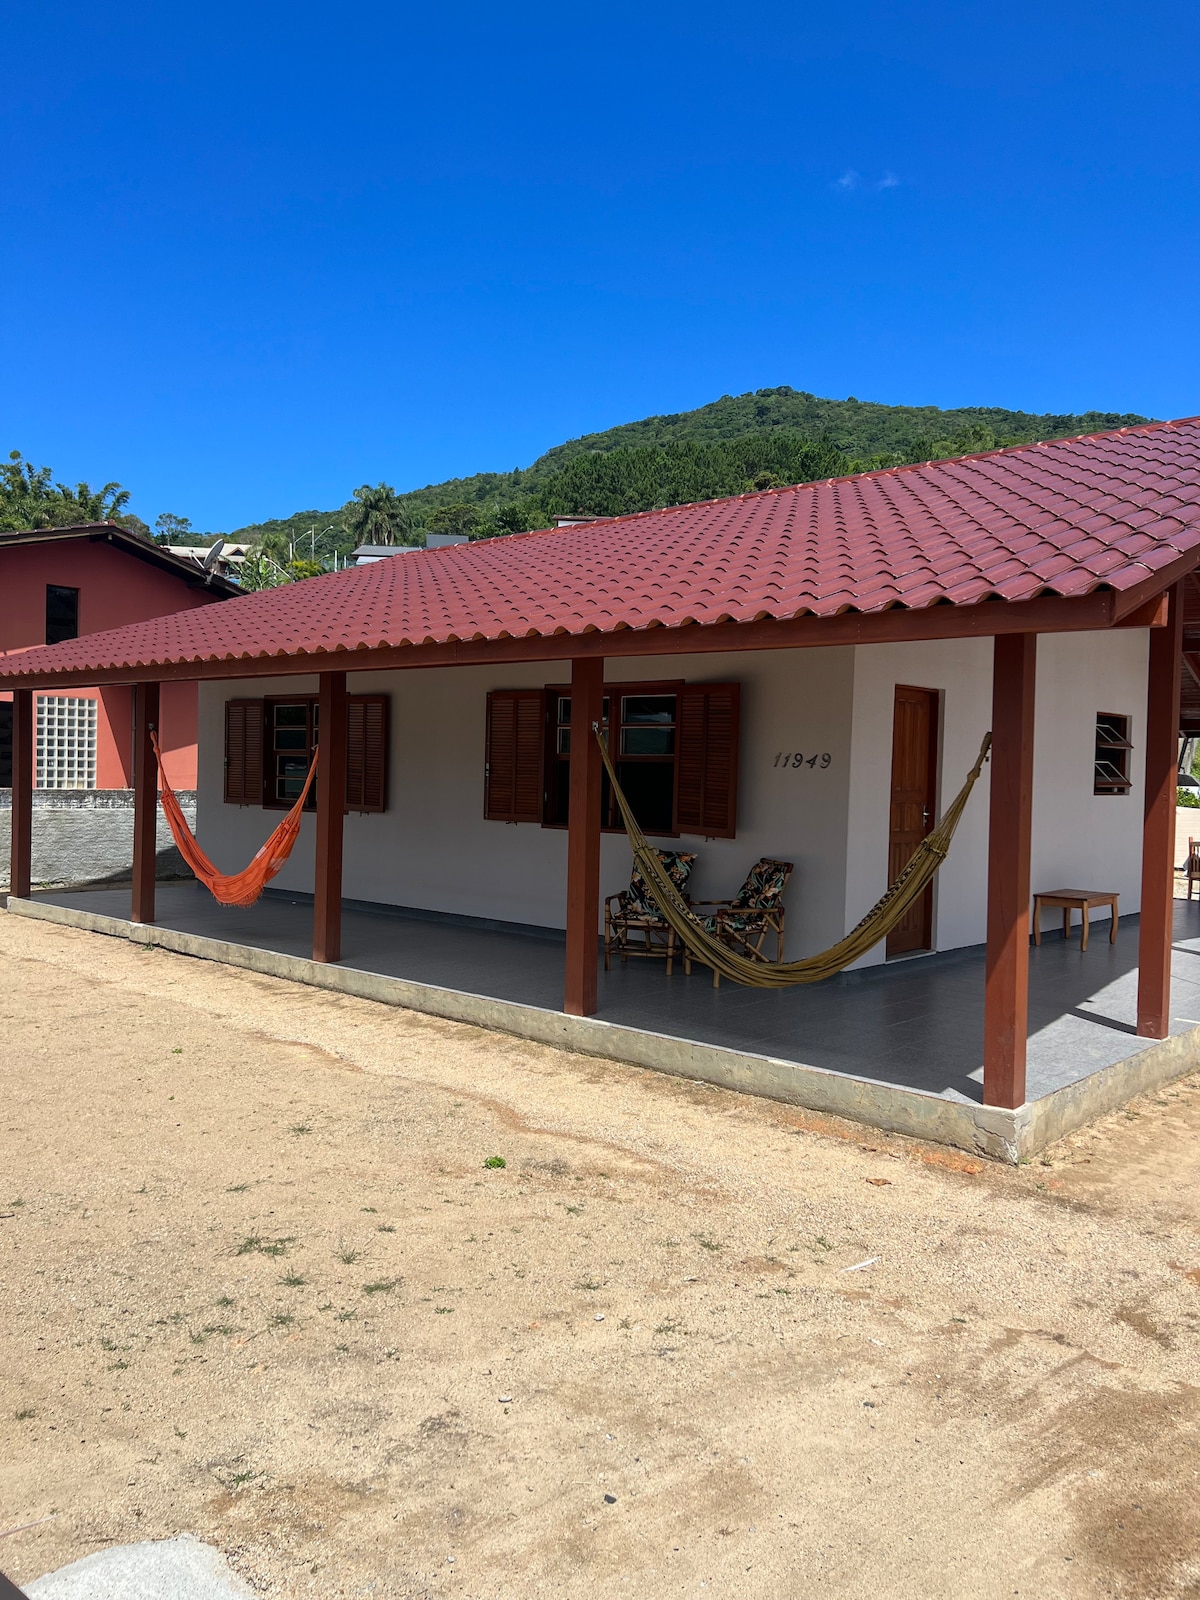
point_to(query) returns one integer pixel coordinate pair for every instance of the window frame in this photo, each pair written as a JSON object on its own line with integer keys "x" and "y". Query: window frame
{"x": 271, "y": 755}
{"x": 555, "y": 759}
{"x": 1112, "y": 750}
{"x": 62, "y": 589}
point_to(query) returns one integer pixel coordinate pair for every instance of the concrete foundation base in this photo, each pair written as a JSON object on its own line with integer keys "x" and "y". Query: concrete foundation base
{"x": 1008, "y": 1136}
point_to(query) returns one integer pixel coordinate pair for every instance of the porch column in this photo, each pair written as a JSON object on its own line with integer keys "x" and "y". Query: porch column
{"x": 583, "y": 838}
{"x": 145, "y": 801}
{"x": 21, "y": 859}
{"x": 331, "y": 806}
{"x": 1006, "y": 998}
{"x": 1158, "y": 826}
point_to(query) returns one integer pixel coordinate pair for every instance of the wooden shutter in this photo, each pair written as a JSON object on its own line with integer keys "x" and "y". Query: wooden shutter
{"x": 706, "y": 776}
{"x": 244, "y": 752}
{"x": 516, "y": 745}
{"x": 366, "y": 752}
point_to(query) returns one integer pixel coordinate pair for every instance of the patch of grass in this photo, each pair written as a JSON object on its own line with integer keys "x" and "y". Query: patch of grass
{"x": 16, "y": 1202}
{"x": 346, "y": 1255}
{"x": 576, "y": 1211}
{"x": 384, "y": 1286}
{"x": 342, "y": 1349}
{"x": 707, "y": 1242}
{"x": 385, "y": 1227}
{"x": 225, "y": 1300}
{"x": 300, "y": 1127}
{"x": 118, "y": 1366}
{"x": 442, "y": 1311}
{"x": 281, "y": 1319}
{"x": 240, "y": 1479}
{"x": 237, "y": 1188}
{"x": 220, "y": 1327}
{"x": 823, "y": 1242}
{"x": 255, "y": 1244}
{"x": 178, "y": 1050}
{"x": 25, "y": 1416}
{"x": 586, "y": 1285}
{"x": 495, "y": 1162}
{"x": 671, "y": 1325}
{"x": 106, "y": 1343}
{"x": 345, "y": 1316}
{"x": 293, "y": 1280}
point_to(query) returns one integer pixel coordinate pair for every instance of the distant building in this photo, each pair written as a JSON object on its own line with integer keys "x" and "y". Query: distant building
{"x": 366, "y": 553}
{"x": 61, "y": 583}
{"x": 228, "y": 559}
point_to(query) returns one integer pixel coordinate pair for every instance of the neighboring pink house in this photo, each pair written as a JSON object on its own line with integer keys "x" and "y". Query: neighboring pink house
{"x": 60, "y": 583}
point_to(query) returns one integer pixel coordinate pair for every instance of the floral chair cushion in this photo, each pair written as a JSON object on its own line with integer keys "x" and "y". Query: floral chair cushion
{"x": 761, "y": 894}
{"x": 636, "y": 900}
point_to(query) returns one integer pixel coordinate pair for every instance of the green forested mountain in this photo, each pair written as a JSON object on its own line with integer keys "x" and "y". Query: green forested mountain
{"x": 738, "y": 443}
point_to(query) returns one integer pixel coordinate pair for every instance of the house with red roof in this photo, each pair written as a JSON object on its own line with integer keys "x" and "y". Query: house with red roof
{"x": 57, "y": 584}
{"x": 800, "y": 676}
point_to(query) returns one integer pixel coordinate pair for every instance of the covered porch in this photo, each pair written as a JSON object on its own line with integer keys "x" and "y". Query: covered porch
{"x": 898, "y": 1046}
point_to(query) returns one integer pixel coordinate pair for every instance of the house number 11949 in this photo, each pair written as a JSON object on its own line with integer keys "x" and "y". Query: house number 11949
{"x": 796, "y": 758}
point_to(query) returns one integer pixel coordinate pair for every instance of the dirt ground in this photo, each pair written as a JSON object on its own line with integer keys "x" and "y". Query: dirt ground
{"x": 260, "y": 1282}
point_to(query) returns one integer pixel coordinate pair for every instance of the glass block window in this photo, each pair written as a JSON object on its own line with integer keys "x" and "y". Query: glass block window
{"x": 66, "y": 742}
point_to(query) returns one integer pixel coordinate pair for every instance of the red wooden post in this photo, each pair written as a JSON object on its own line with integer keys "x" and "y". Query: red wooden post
{"x": 145, "y": 801}
{"x": 331, "y": 807}
{"x": 583, "y": 838}
{"x": 1158, "y": 826}
{"x": 21, "y": 859}
{"x": 1006, "y": 998}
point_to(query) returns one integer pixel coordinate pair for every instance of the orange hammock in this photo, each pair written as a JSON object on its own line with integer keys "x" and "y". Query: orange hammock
{"x": 235, "y": 888}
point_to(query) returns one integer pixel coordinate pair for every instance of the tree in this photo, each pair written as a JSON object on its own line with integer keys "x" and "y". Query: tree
{"x": 29, "y": 499}
{"x": 458, "y": 517}
{"x": 378, "y": 516}
{"x": 170, "y": 529}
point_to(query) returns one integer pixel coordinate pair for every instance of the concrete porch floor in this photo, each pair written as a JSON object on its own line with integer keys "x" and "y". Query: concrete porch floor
{"x": 914, "y": 1025}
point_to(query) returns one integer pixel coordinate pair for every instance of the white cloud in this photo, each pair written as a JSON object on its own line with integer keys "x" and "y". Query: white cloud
{"x": 848, "y": 180}
{"x": 888, "y": 181}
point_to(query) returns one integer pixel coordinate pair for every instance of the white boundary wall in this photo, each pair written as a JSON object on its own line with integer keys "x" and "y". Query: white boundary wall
{"x": 433, "y": 849}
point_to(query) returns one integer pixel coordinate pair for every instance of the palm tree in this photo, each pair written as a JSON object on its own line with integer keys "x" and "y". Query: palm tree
{"x": 378, "y": 517}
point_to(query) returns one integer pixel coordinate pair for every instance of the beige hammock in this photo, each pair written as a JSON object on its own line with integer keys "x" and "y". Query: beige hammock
{"x": 877, "y": 923}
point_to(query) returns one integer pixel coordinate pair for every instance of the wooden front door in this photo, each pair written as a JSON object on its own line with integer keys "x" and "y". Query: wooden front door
{"x": 914, "y": 805}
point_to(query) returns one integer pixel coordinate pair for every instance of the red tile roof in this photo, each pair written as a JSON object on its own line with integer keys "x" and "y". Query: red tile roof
{"x": 1065, "y": 518}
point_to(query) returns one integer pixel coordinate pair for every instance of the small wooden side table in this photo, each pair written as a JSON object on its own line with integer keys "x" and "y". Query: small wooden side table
{"x": 1081, "y": 900}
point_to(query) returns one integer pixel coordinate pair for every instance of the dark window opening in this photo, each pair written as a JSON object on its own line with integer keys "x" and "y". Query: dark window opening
{"x": 643, "y": 748}
{"x": 1111, "y": 771}
{"x": 291, "y": 740}
{"x": 62, "y": 613}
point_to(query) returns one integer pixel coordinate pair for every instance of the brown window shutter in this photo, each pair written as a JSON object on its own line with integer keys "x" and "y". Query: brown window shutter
{"x": 366, "y": 752}
{"x": 706, "y": 776}
{"x": 243, "y": 752}
{"x": 516, "y": 742}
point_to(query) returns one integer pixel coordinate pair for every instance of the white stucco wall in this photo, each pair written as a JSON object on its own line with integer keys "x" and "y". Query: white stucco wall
{"x": 433, "y": 849}
{"x": 1080, "y": 840}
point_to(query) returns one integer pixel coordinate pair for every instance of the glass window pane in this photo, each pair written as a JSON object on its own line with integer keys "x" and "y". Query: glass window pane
{"x": 564, "y": 741}
{"x": 291, "y": 716}
{"x": 647, "y": 741}
{"x": 650, "y": 789}
{"x": 291, "y": 739}
{"x": 564, "y": 708}
{"x": 648, "y": 708}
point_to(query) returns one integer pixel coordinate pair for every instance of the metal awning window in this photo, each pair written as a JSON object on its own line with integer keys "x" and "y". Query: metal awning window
{"x": 1111, "y": 763}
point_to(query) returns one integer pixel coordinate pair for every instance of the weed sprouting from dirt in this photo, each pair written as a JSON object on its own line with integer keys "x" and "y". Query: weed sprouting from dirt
{"x": 281, "y": 1319}
{"x": 494, "y": 1162}
{"x": 225, "y": 1300}
{"x": 345, "y": 1316}
{"x": 386, "y": 1227}
{"x": 293, "y": 1280}
{"x": 237, "y": 1188}
{"x": 346, "y": 1255}
{"x": 384, "y": 1286}
{"x": 25, "y": 1416}
{"x": 586, "y": 1284}
{"x": 707, "y": 1242}
{"x": 300, "y": 1127}
{"x": 255, "y": 1244}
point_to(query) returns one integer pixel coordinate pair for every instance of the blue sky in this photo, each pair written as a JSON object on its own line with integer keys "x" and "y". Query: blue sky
{"x": 258, "y": 254}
